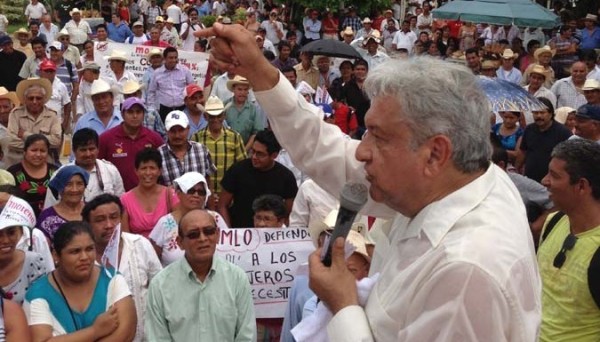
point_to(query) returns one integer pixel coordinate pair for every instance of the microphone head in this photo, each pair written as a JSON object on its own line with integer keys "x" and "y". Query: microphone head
{"x": 354, "y": 196}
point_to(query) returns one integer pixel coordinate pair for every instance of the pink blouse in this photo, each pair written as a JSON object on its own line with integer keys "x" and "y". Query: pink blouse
{"x": 141, "y": 222}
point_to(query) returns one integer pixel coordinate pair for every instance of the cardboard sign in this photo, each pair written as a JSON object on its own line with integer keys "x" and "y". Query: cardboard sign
{"x": 270, "y": 257}
{"x": 137, "y": 63}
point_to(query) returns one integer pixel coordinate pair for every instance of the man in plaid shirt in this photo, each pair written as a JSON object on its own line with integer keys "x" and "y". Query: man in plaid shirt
{"x": 352, "y": 20}
{"x": 180, "y": 155}
{"x": 225, "y": 145}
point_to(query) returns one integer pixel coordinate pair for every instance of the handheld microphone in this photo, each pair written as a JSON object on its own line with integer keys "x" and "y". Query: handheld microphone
{"x": 352, "y": 198}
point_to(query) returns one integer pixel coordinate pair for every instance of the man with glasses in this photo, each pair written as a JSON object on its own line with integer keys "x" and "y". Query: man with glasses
{"x": 200, "y": 294}
{"x": 260, "y": 174}
{"x": 568, "y": 256}
{"x": 179, "y": 155}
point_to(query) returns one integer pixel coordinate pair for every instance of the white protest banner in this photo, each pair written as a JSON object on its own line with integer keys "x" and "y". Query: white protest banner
{"x": 197, "y": 62}
{"x": 270, "y": 257}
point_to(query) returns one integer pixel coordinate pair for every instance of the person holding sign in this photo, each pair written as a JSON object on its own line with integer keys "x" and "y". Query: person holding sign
{"x": 200, "y": 295}
{"x": 454, "y": 218}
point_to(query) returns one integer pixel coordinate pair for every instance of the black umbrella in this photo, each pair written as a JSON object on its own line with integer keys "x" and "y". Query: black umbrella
{"x": 331, "y": 48}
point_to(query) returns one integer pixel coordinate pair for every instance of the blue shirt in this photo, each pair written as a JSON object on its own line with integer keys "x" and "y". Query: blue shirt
{"x": 118, "y": 33}
{"x": 590, "y": 40}
{"x": 91, "y": 120}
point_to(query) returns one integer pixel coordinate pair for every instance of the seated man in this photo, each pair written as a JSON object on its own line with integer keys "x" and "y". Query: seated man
{"x": 200, "y": 294}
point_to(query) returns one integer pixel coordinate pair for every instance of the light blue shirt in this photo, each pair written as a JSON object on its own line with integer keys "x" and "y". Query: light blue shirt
{"x": 91, "y": 120}
{"x": 118, "y": 33}
{"x": 513, "y": 76}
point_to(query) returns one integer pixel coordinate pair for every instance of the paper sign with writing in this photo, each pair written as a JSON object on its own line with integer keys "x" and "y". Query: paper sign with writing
{"x": 138, "y": 62}
{"x": 270, "y": 257}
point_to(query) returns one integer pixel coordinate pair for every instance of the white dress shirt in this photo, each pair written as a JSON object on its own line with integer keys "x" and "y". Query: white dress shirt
{"x": 59, "y": 99}
{"x": 78, "y": 31}
{"x": 311, "y": 205}
{"x": 404, "y": 40}
{"x": 463, "y": 269}
{"x": 84, "y": 99}
{"x": 50, "y": 33}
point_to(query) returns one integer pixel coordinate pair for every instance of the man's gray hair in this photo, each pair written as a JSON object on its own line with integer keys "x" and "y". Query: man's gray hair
{"x": 437, "y": 97}
{"x": 582, "y": 160}
{"x": 32, "y": 88}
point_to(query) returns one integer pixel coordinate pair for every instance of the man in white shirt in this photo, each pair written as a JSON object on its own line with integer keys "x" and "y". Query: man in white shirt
{"x": 79, "y": 30}
{"x": 138, "y": 37}
{"x": 456, "y": 259}
{"x": 89, "y": 73}
{"x": 48, "y": 28}
{"x": 388, "y": 15}
{"x": 116, "y": 75}
{"x": 174, "y": 13}
{"x": 405, "y": 38}
{"x": 218, "y": 8}
{"x": 60, "y": 101}
{"x": 425, "y": 19}
{"x": 35, "y": 10}
{"x": 273, "y": 27}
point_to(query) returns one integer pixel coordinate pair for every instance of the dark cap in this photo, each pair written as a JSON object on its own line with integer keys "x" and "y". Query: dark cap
{"x": 5, "y": 40}
{"x": 589, "y": 111}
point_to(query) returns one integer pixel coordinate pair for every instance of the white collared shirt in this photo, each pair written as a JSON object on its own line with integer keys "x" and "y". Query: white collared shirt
{"x": 463, "y": 269}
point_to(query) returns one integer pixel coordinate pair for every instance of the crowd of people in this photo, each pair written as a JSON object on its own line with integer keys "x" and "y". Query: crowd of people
{"x": 480, "y": 225}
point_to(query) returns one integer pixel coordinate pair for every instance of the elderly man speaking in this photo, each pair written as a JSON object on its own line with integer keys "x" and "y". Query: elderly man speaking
{"x": 456, "y": 258}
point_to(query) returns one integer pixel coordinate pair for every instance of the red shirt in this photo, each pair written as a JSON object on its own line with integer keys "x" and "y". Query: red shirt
{"x": 343, "y": 119}
{"x": 161, "y": 44}
{"x": 119, "y": 149}
{"x": 454, "y": 26}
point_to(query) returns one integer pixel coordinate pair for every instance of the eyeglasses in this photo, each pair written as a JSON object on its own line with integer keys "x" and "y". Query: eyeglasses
{"x": 195, "y": 234}
{"x": 35, "y": 98}
{"x": 567, "y": 245}
{"x": 200, "y": 192}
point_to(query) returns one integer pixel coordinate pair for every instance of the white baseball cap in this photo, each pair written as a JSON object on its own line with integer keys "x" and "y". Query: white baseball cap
{"x": 176, "y": 118}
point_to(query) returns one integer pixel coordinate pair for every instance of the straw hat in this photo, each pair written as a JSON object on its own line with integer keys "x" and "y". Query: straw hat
{"x": 356, "y": 240}
{"x": 561, "y": 114}
{"x": 6, "y": 178}
{"x": 75, "y": 10}
{"x": 509, "y": 54}
{"x": 131, "y": 87}
{"x": 214, "y": 106}
{"x": 100, "y": 86}
{"x": 237, "y": 80}
{"x": 328, "y": 223}
{"x": 61, "y": 33}
{"x": 9, "y": 95}
{"x": 116, "y": 55}
{"x": 159, "y": 19}
{"x": 25, "y": 84}
{"x": 544, "y": 49}
{"x": 21, "y": 31}
{"x": 367, "y": 20}
{"x": 540, "y": 70}
{"x": 347, "y": 32}
{"x": 591, "y": 17}
{"x": 488, "y": 64}
{"x": 591, "y": 84}
{"x": 154, "y": 52}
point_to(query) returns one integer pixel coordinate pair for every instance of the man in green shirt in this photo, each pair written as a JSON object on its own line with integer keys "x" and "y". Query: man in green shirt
{"x": 201, "y": 296}
{"x": 241, "y": 114}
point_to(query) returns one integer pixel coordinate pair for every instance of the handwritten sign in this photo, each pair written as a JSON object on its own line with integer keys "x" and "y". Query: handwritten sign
{"x": 270, "y": 257}
{"x": 138, "y": 62}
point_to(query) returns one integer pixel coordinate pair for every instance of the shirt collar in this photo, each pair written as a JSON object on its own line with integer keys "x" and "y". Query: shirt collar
{"x": 454, "y": 206}
{"x": 187, "y": 269}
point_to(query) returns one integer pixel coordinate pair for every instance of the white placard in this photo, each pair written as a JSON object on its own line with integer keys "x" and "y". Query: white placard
{"x": 270, "y": 257}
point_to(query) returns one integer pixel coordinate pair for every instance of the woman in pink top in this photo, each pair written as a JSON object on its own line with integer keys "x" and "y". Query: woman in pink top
{"x": 148, "y": 201}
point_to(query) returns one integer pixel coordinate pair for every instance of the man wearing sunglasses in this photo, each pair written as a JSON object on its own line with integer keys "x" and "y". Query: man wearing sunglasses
{"x": 200, "y": 294}
{"x": 569, "y": 254}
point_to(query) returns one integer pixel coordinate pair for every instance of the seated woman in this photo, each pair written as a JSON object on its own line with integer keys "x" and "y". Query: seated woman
{"x": 13, "y": 327}
{"x": 79, "y": 299}
{"x": 193, "y": 193}
{"x": 33, "y": 173}
{"x": 18, "y": 269}
{"x": 149, "y": 201}
{"x": 69, "y": 186}
{"x": 509, "y": 133}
